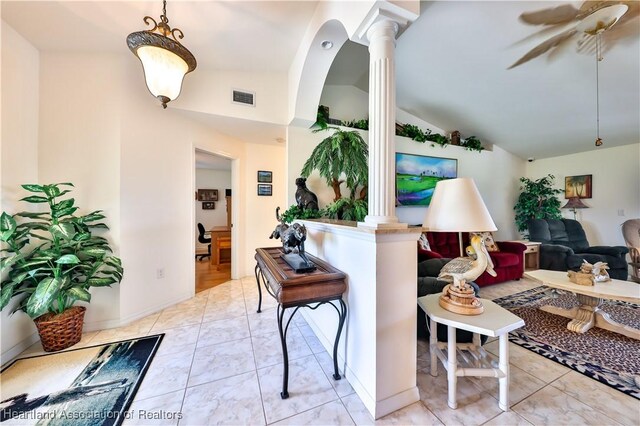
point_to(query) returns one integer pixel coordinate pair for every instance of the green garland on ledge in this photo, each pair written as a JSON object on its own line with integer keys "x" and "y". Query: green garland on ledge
{"x": 410, "y": 131}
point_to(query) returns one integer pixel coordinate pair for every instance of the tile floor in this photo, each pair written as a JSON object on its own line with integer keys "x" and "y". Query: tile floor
{"x": 220, "y": 363}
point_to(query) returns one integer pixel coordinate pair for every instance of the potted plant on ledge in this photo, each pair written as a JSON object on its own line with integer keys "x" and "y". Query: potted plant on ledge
{"x": 52, "y": 259}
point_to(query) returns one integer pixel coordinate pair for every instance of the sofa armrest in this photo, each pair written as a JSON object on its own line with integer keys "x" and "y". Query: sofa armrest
{"x": 615, "y": 251}
{"x": 511, "y": 247}
{"x": 428, "y": 254}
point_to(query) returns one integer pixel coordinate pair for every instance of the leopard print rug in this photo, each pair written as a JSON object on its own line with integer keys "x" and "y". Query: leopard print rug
{"x": 611, "y": 358}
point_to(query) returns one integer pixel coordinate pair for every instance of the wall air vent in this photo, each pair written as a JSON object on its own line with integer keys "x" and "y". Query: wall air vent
{"x": 243, "y": 97}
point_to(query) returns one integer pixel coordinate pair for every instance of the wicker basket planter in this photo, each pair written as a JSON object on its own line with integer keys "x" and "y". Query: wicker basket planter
{"x": 59, "y": 331}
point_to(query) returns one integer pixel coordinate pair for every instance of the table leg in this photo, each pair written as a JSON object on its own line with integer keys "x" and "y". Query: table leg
{"x": 433, "y": 342}
{"x": 503, "y": 365}
{"x": 452, "y": 364}
{"x": 285, "y": 354}
{"x": 586, "y": 316}
{"x": 342, "y": 314}
{"x": 259, "y": 289}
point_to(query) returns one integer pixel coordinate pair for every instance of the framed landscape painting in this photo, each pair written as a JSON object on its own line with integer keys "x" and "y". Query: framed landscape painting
{"x": 577, "y": 186}
{"x": 417, "y": 175}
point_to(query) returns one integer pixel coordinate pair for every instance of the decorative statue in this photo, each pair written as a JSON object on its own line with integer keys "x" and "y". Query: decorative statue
{"x": 293, "y": 238}
{"x": 596, "y": 272}
{"x": 305, "y": 198}
{"x": 459, "y": 297}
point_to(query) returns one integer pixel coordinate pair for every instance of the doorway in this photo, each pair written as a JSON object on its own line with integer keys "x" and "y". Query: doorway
{"x": 213, "y": 198}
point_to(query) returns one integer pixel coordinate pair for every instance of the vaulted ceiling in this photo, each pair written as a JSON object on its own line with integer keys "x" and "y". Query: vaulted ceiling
{"x": 452, "y": 63}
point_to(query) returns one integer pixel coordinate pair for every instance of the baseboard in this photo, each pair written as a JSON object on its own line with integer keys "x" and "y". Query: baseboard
{"x": 377, "y": 409}
{"x": 106, "y": 324}
{"x": 11, "y": 353}
{"x": 396, "y": 402}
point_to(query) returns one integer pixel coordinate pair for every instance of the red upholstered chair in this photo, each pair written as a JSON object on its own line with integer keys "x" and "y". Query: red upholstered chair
{"x": 508, "y": 262}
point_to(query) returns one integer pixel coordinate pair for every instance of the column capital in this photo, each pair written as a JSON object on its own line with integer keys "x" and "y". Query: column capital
{"x": 386, "y": 14}
{"x": 383, "y": 28}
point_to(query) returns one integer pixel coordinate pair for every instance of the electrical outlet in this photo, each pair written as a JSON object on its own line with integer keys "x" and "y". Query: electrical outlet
{"x": 620, "y": 212}
{"x": 160, "y": 273}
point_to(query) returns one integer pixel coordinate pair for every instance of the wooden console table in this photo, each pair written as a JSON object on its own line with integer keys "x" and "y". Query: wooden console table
{"x": 292, "y": 290}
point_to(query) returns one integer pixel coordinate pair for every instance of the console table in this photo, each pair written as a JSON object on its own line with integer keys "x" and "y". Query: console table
{"x": 293, "y": 290}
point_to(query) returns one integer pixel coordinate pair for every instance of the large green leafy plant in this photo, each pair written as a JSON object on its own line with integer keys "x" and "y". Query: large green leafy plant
{"x": 52, "y": 256}
{"x": 536, "y": 201}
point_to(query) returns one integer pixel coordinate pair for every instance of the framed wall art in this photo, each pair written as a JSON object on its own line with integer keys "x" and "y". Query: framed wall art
{"x": 265, "y": 190}
{"x": 207, "y": 195}
{"x": 417, "y": 175}
{"x": 208, "y": 205}
{"x": 265, "y": 176}
{"x": 577, "y": 186}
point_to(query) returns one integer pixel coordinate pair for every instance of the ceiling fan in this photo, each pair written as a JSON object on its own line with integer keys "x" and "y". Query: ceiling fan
{"x": 591, "y": 18}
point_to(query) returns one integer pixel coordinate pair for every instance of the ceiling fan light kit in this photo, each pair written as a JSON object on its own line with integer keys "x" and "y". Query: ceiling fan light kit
{"x": 165, "y": 61}
{"x": 602, "y": 19}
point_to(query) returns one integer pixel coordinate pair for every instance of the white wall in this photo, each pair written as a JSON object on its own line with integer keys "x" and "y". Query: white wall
{"x": 213, "y": 179}
{"x": 496, "y": 174}
{"x": 80, "y": 143}
{"x": 615, "y": 186}
{"x": 18, "y": 157}
{"x": 258, "y": 216}
{"x": 210, "y": 91}
{"x": 100, "y": 128}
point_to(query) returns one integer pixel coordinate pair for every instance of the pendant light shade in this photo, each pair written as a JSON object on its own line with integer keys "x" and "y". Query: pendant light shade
{"x": 164, "y": 59}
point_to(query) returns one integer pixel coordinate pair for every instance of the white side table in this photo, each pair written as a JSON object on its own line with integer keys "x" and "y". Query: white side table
{"x": 495, "y": 321}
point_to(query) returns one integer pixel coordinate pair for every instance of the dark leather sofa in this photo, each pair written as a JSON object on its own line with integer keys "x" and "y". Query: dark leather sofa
{"x": 565, "y": 246}
{"x": 508, "y": 262}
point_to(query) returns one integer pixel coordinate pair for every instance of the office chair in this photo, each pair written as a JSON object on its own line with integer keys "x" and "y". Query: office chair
{"x": 204, "y": 240}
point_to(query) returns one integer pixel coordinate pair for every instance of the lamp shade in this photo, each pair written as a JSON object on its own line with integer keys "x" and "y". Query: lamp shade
{"x": 163, "y": 71}
{"x": 575, "y": 203}
{"x": 456, "y": 206}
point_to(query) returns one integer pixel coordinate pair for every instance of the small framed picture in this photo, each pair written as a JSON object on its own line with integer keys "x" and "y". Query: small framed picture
{"x": 577, "y": 186}
{"x": 207, "y": 195}
{"x": 264, "y": 190}
{"x": 208, "y": 205}
{"x": 265, "y": 176}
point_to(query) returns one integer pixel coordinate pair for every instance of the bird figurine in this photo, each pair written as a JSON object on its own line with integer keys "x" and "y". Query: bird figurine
{"x": 459, "y": 296}
{"x": 470, "y": 252}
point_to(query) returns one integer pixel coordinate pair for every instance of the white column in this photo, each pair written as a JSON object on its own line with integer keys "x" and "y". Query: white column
{"x": 382, "y": 123}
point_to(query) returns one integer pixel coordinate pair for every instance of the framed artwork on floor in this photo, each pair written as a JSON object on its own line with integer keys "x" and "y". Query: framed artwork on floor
{"x": 417, "y": 176}
{"x": 577, "y": 186}
{"x": 264, "y": 190}
{"x": 265, "y": 176}
{"x": 207, "y": 195}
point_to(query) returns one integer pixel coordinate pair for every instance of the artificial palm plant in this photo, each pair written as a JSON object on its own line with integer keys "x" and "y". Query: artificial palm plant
{"x": 52, "y": 257}
{"x": 343, "y": 153}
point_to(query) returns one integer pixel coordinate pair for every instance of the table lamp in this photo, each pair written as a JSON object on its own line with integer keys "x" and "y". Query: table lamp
{"x": 456, "y": 206}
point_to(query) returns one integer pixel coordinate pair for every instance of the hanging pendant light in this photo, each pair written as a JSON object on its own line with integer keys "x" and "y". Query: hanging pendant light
{"x": 165, "y": 61}
{"x": 594, "y": 25}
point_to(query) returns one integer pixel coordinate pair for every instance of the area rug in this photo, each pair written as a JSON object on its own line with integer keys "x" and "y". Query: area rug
{"x": 87, "y": 386}
{"x": 610, "y": 358}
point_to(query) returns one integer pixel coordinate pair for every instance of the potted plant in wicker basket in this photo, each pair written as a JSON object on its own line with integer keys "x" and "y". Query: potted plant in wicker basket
{"x": 51, "y": 260}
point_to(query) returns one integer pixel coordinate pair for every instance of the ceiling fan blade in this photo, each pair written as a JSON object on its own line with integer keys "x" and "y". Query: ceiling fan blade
{"x": 552, "y": 16}
{"x": 545, "y": 47}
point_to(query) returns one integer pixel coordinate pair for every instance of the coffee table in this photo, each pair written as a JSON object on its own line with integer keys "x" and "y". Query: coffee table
{"x": 589, "y": 314}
